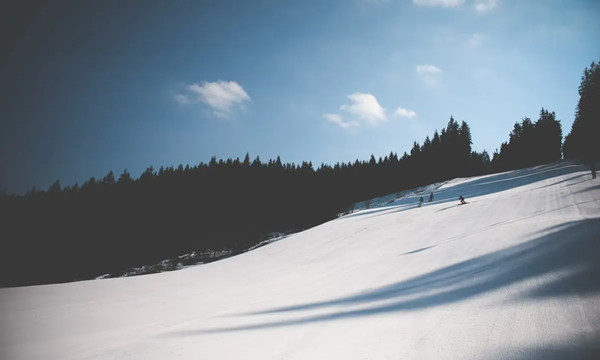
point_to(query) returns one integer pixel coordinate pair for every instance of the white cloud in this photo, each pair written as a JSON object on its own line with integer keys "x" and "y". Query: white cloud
{"x": 428, "y": 69}
{"x": 363, "y": 109}
{"x": 337, "y": 119}
{"x": 220, "y": 96}
{"x": 485, "y": 5}
{"x": 366, "y": 108}
{"x": 441, "y": 3}
{"x": 409, "y": 114}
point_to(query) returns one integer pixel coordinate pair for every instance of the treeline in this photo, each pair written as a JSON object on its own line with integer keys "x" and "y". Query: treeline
{"x": 530, "y": 143}
{"x": 109, "y": 224}
{"x": 113, "y": 223}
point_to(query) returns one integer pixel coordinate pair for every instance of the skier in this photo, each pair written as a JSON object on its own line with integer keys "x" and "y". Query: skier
{"x": 462, "y": 200}
{"x": 430, "y": 197}
{"x": 421, "y": 201}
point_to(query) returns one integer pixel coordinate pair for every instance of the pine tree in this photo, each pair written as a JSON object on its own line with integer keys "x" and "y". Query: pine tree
{"x": 109, "y": 179}
{"x": 464, "y": 148}
{"x": 55, "y": 188}
{"x": 582, "y": 141}
{"x": 125, "y": 178}
{"x": 549, "y": 137}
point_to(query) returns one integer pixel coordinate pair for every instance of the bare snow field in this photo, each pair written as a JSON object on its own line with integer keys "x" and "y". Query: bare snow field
{"x": 514, "y": 274}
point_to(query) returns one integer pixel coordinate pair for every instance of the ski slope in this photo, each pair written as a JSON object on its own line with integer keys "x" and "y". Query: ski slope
{"x": 514, "y": 274}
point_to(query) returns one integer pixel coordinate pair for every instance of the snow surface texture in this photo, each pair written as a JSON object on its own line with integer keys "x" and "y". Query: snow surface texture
{"x": 515, "y": 274}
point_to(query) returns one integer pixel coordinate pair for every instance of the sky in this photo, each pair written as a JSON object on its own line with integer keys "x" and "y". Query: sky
{"x": 92, "y": 86}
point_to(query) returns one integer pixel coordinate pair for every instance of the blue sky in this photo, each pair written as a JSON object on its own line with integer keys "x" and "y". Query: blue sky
{"x": 93, "y": 86}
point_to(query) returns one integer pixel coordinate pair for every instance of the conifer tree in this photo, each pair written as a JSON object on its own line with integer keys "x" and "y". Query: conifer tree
{"x": 125, "y": 178}
{"x": 55, "y": 188}
{"x": 582, "y": 141}
{"x": 549, "y": 137}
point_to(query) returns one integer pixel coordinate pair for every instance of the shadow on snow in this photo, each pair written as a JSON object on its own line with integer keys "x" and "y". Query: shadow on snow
{"x": 571, "y": 250}
{"x": 578, "y": 349}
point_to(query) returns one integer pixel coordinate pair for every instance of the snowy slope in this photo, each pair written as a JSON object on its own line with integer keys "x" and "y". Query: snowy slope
{"x": 515, "y": 274}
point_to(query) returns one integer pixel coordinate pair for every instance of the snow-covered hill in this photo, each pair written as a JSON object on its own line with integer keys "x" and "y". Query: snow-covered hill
{"x": 514, "y": 274}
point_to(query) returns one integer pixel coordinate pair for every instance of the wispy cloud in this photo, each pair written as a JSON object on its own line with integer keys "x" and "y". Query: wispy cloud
{"x": 485, "y": 5}
{"x": 405, "y": 113}
{"x": 429, "y": 74}
{"x": 182, "y": 99}
{"x": 363, "y": 109}
{"x": 220, "y": 96}
{"x": 479, "y": 5}
{"x": 428, "y": 69}
{"x": 337, "y": 119}
{"x": 440, "y": 3}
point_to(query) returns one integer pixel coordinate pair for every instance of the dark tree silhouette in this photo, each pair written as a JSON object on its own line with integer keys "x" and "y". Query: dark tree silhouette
{"x": 530, "y": 143}
{"x": 582, "y": 142}
{"x": 548, "y": 138}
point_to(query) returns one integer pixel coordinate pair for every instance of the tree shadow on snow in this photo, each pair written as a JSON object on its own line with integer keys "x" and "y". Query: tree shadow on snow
{"x": 594, "y": 187}
{"x": 570, "y": 251}
{"x": 419, "y": 250}
{"x": 570, "y": 179}
{"x": 580, "y": 350}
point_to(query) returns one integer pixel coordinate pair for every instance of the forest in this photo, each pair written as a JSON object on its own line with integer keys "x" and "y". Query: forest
{"x": 112, "y": 223}
{"x": 105, "y": 225}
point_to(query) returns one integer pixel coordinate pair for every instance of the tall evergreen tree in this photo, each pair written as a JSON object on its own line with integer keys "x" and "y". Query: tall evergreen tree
{"x": 109, "y": 179}
{"x": 125, "y": 178}
{"x": 548, "y": 137}
{"x": 464, "y": 148}
{"x": 55, "y": 188}
{"x": 582, "y": 141}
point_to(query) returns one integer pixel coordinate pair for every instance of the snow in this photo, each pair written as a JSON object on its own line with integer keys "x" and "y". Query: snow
{"x": 515, "y": 274}
{"x": 386, "y": 200}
